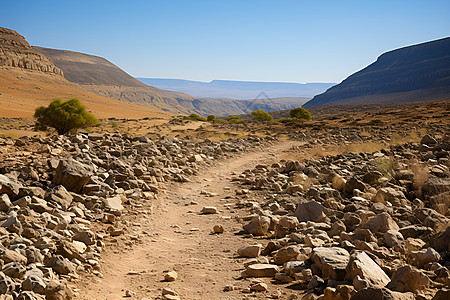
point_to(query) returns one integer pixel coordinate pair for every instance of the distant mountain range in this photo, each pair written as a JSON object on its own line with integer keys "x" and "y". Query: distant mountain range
{"x": 238, "y": 89}
{"x": 103, "y": 78}
{"x": 32, "y": 76}
{"x": 415, "y": 73}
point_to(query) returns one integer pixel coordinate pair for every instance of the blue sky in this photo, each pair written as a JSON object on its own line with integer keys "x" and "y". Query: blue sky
{"x": 294, "y": 41}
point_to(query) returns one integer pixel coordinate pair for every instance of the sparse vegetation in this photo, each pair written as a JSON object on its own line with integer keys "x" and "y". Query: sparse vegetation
{"x": 234, "y": 119}
{"x": 261, "y": 116}
{"x": 219, "y": 121}
{"x": 300, "y": 113}
{"x": 195, "y": 117}
{"x": 64, "y": 117}
{"x": 289, "y": 120}
{"x": 114, "y": 125}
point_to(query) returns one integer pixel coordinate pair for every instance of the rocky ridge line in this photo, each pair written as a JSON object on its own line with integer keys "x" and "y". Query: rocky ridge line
{"x": 16, "y": 52}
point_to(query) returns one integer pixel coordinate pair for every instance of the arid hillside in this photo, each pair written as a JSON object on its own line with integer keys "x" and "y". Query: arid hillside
{"x": 416, "y": 73}
{"x": 103, "y": 78}
{"x": 29, "y": 79}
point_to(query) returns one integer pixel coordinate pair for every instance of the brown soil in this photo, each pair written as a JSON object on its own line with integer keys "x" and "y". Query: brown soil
{"x": 21, "y": 91}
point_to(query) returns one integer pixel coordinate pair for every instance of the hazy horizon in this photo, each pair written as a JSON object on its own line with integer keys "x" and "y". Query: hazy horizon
{"x": 263, "y": 41}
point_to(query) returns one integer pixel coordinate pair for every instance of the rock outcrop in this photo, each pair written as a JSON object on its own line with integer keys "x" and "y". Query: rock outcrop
{"x": 16, "y": 52}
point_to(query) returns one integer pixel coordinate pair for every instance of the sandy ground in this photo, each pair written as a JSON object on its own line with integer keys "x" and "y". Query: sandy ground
{"x": 22, "y": 91}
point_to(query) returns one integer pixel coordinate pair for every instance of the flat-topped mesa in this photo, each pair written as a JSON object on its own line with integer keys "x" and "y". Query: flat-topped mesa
{"x": 16, "y": 52}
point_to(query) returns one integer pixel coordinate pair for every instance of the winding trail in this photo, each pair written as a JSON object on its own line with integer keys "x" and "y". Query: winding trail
{"x": 169, "y": 234}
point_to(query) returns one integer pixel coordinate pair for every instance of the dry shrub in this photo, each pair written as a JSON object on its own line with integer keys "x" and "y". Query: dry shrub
{"x": 421, "y": 174}
{"x": 413, "y": 136}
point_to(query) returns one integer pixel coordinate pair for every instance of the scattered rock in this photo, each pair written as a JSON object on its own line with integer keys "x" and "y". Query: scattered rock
{"x": 408, "y": 279}
{"x": 260, "y": 270}
{"x": 332, "y": 261}
{"x": 250, "y": 251}
{"x": 361, "y": 264}
{"x": 218, "y": 229}
{"x": 209, "y": 210}
{"x": 170, "y": 276}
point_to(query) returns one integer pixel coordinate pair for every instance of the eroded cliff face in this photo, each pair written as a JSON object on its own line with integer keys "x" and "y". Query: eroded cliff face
{"x": 16, "y": 52}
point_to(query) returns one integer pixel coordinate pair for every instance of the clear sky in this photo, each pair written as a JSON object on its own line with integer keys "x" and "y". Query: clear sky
{"x": 294, "y": 41}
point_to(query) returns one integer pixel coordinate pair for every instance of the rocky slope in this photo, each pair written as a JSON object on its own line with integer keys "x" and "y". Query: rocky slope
{"x": 416, "y": 73}
{"x": 352, "y": 226}
{"x": 16, "y": 52}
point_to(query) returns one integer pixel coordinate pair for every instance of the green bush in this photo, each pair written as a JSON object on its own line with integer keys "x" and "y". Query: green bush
{"x": 219, "y": 121}
{"x": 261, "y": 116}
{"x": 287, "y": 120}
{"x": 64, "y": 116}
{"x": 194, "y": 117}
{"x": 300, "y": 113}
{"x": 234, "y": 119}
{"x": 211, "y": 118}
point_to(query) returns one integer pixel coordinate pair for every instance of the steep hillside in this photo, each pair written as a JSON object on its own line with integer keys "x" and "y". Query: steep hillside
{"x": 416, "y": 73}
{"x": 29, "y": 79}
{"x": 16, "y": 52}
{"x": 238, "y": 89}
{"x": 101, "y": 77}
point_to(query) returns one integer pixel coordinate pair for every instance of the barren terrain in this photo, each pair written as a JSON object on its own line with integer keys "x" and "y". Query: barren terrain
{"x": 367, "y": 187}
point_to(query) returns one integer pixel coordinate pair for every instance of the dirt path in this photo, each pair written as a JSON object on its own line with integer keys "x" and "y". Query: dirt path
{"x": 176, "y": 237}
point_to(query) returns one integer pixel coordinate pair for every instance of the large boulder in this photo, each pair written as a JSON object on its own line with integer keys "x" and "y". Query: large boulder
{"x": 437, "y": 191}
{"x": 261, "y": 270}
{"x": 442, "y": 294}
{"x": 72, "y": 174}
{"x": 332, "y": 261}
{"x": 286, "y": 254}
{"x": 60, "y": 195}
{"x": 113, "y": 203}
{"x": 56, "y": 290}
{"x": 424, "y": 256}
{"x": 310, "y": 211}
{"x": 388, "y": 194}
{"x": 341, "y": 292}
{"x": 361, "y": 264}
{"x": 434, "y": 186}
{"x": 408, "y": 279}
{"x": 9, "y": 186}
{"x": 250, "y": 251}
{"x": 380, "y": 223}
{"x": 6, "y": 284}
{"x": 5, "y": 203}
{"x": 259, "y": 225}
{"x": 428, "y": 140}
{"x": 442, "y": 242}
{"x": 373, "y": 293}
{"x": 352, "y": 184}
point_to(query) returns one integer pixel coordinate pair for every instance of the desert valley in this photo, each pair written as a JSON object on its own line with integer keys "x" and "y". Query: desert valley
{"x": 181, "y": 191}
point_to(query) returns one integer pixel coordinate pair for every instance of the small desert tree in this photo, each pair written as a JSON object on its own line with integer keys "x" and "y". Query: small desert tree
{"x": 234, "y": 119}
{"x": 261, "y": 116}
{"x": 300, "y": 113}
{"x": 211, "y": 118}
{"x": 194, "y": 117}
{"x": 64, "y": 116}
